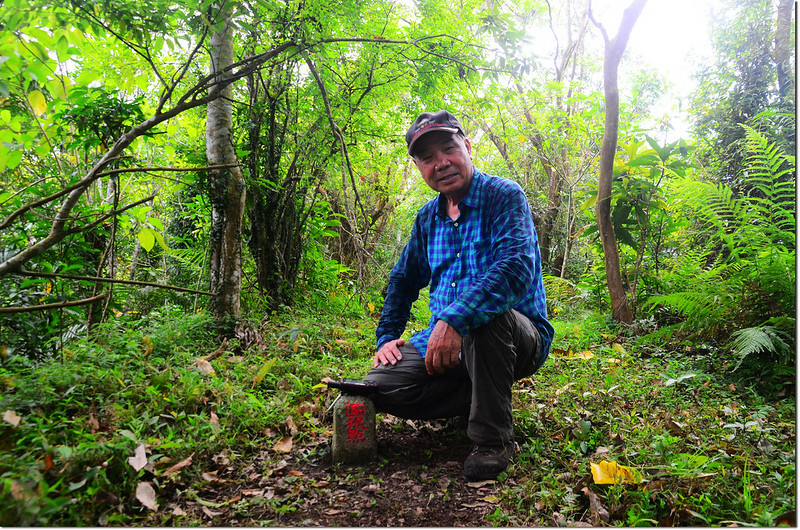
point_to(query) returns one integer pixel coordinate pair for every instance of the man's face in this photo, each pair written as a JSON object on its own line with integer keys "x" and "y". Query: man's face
{"x": 445, "y": 161}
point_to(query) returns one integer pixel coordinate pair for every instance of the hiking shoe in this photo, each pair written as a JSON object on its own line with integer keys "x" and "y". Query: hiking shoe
{"x": 485, "y": 462}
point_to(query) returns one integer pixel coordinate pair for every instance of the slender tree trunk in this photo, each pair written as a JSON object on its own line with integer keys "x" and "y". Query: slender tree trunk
{"x": 614, "y": 48}
{"x": 226, "y": 186}
{"x": 782, "y": 53}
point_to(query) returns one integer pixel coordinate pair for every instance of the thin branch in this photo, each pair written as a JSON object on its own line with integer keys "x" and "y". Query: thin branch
{"x": 88, "y": 180}
{"x": 111, "y": 280}
{"x": 13, "y": 310}
{"x": 598, "y": 24}
{"x": 107, "y": 216}
{"x": 176, "y": 79}
{"x": 337, "y": 131}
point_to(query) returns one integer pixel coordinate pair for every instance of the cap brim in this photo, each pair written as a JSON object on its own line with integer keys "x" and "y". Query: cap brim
{"x": 430, "y": 130}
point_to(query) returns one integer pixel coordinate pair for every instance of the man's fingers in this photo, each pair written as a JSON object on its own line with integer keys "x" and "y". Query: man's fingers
{"x": 388, "y": 354}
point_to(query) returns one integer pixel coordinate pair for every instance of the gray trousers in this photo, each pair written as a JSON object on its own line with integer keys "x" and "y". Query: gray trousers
{"x": 492, "y": 358}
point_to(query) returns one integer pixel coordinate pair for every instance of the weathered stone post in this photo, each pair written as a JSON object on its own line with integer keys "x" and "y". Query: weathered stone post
{"x": 354, "y": 440}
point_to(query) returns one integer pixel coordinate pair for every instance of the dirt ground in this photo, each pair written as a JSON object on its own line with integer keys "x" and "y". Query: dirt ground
{"x": 417, "y": 480}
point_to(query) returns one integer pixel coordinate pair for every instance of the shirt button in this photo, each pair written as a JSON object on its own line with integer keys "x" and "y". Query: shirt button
{"x": 453, "y": 284}
{"x": 455, "y": 224}
{"x": 458, "y": 254}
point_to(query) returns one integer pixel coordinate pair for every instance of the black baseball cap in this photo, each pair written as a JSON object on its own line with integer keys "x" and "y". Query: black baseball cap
{"x": 430, "y": 122}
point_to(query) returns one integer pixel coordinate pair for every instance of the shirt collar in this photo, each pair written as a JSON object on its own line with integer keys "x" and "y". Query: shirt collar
{"x": 472, "y": 199}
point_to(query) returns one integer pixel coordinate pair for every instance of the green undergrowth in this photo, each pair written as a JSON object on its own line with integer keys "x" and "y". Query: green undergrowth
{"x": 713, "y": 446}
{"x": 157, "y": 381}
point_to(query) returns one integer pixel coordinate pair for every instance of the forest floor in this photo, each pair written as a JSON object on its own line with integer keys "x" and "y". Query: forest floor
{"x": 417, "y": 481}
{"x": 135, "y": 429}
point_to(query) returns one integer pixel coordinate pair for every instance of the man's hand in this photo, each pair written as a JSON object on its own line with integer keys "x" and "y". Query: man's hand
{"x": 389, "y": 353}
{"x": 444, "y": 347}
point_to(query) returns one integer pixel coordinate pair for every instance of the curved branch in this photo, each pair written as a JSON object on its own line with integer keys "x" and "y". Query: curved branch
{"x": 191, "y": 99}
{"x": 13, "y": 310}
{"x": 33, "y": 274}
{"x": 86, "y": 181}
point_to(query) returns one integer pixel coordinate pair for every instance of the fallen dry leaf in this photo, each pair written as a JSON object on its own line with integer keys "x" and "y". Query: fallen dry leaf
{"x": 211, "y": 477}
{"x": 214, "y": 418}
{"x": 12, "y": 418}
{"x": 94, "y": 425}
{"x": 291, "y": 426}
{"x": 269, "y": 432}
{"x": 480, "y": 484}
{"x": 210, "y": 513}
{"x": 146, "y": 495}
{"x": 139, "y": 458}
{"x": 599, "y": 513}
{"x": 284, "y": 445}
{"x": 180, "y": 465}
{"x": 253, "y": 493}
{"x": 204, "y": 366}
{"x": 177, "y": 511}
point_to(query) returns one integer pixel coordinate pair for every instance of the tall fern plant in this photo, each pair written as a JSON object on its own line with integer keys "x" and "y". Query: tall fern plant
{"x": 740, "y": 288}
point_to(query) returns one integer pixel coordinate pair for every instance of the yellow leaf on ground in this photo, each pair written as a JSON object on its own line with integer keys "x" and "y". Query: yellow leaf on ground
{"x": 585, "y": 354}
{"x": 612, "y": 473}
{"x": 617, "y": 347}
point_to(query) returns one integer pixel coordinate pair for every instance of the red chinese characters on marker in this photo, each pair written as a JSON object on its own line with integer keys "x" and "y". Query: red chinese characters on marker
{"x": 354, "y": 413}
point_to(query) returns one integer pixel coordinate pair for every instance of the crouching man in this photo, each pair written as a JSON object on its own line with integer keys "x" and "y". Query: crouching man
{"x": 475, "y": 246}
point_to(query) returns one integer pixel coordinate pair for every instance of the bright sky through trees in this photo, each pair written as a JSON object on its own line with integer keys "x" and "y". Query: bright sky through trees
{"x": 672, "y": 36}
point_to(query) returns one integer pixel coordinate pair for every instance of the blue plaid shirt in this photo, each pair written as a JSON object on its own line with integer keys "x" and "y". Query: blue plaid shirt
{"x": 479, "y": 266}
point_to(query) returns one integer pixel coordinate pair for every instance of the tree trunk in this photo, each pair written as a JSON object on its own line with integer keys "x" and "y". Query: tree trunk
{"x": 226, "y": 186}
{"x": 614, "y": 48}
{"x": 782, "y": 54}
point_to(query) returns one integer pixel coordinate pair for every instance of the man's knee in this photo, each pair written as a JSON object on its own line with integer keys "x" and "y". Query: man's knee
{"x": 510, "y": 337}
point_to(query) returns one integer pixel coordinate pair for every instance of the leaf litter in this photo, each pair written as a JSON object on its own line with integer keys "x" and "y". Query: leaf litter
{"x": 417, "y": 480}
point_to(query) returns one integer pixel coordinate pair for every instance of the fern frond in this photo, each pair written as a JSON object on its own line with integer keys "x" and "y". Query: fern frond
{"x": 757, "y": 340}
{"x": 188, "y": 256}
{"x": 690, "y": 304}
